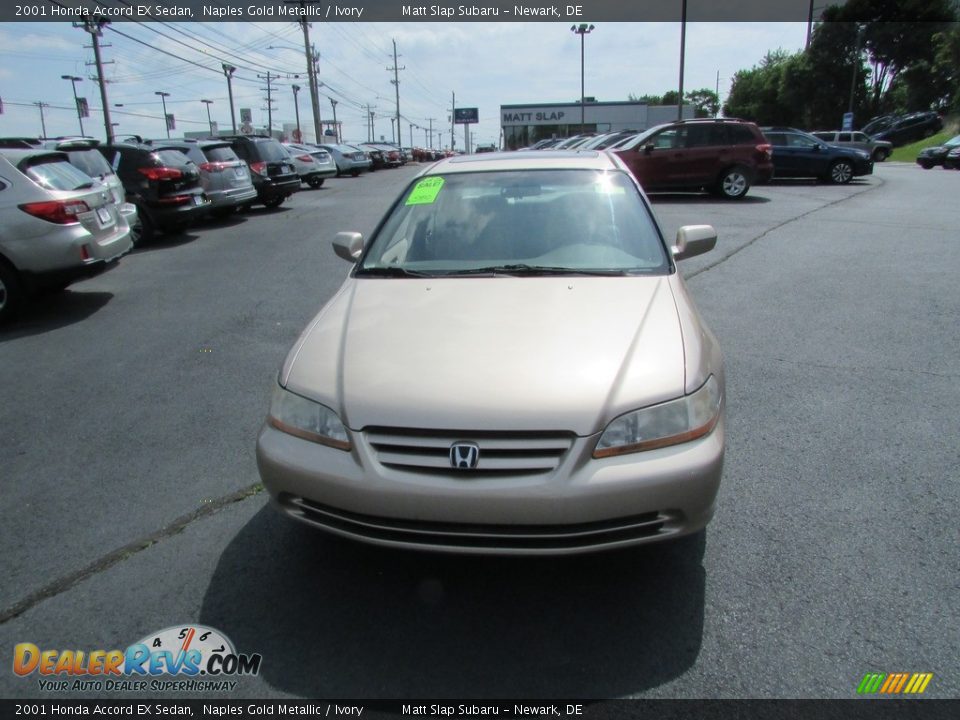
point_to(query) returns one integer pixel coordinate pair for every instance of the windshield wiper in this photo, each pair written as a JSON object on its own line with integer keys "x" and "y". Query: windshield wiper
{"x": 390, "y": 271}
{"x": 532, "y": 270}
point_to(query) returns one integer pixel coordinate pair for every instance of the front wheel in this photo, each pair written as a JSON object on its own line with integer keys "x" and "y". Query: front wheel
{"x": 274, "y": 201}
{"x": 880, "y": 154}
{"x": 926, "y": 165}
{"x": 733, "y": 183}
{"x": 315, "y": 182}
{"x": 841, "y": 172}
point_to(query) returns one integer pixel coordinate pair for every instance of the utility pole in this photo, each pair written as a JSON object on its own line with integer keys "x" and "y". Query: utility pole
{"x": 371, "y": 131}
{"x": 95, "y": 28}
{"x": 412, "y": 126}
{"x": 43, "y": 124}
{"x": 425, "y": 138}
{"x": 269, "y": 78}
{"x": 228, "y": 71}
{"x": 431, "y": 132}
{"x": 313, "y": 59}
{"x": 396, "y": 85}
{"x": 717, "y": 93}
{"x": 453, "y": 119}
{"x": 336, "y": 128}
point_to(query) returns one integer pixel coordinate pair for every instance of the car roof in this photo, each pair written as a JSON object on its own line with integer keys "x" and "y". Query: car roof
{"x": 542, "y": 160}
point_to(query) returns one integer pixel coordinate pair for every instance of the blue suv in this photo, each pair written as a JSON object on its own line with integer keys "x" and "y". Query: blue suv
{"x": 800, "y": 154}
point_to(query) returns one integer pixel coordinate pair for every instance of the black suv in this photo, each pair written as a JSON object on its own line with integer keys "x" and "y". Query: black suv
{"x": 908, "y": 128}
{"x": 163, "y": 184}
{"x": 273, "y": 172}
{"x": 799, "y": 154}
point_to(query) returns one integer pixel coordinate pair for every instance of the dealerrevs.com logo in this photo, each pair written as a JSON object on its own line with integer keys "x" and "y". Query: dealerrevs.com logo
{"x": 179, "y": 658}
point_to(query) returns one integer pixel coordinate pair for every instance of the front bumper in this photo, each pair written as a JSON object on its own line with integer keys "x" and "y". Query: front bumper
{"x": 582, "y": 505}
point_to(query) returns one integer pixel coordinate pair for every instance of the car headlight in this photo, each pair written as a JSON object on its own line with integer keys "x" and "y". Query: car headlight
{"x": 306, "y": 419}
{"x": 670, "y": 423}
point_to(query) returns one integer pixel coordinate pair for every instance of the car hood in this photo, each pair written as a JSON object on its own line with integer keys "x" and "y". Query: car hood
{"x": 937, "y": 150}
{"x": 505, "y": 353}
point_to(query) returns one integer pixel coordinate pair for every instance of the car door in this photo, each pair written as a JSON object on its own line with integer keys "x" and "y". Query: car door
{"x": 808, "y": 158}
{"x": 707, "y": 150}
{"x": 656, "y": 161}
{"x": 860, "y": 141}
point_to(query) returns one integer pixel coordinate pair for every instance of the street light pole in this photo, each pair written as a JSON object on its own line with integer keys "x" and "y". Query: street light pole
{"x": 296, "y": 110}
{"x": 683, "y": 50}
{"x": 163, "y": 99}
{"x": 336, "y": 128}
{"x": 208, "y": 103}
{"x": 582, "y": 30}
{"x": 43, "y": 124}
{"x": 228, "y": 71}
{"x": 73, "y": 82}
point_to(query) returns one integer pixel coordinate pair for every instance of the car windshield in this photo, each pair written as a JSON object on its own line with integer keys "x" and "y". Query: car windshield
{"x": 952, "y": 142}
{"x": 524, "y": 222}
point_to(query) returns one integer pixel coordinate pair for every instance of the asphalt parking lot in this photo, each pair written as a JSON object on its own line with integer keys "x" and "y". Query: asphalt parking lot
{"x": 131, "y": 499}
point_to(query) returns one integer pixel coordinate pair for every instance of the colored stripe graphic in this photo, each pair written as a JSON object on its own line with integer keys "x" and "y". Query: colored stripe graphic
{"x": 894, "y": 683}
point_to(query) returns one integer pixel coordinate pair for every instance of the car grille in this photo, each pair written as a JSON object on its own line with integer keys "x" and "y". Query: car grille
{"x": 500, "y": 453}
{"x": 480, "y": 537}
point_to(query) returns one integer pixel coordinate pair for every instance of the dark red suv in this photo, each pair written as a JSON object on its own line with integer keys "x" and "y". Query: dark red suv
{"x": 723, "y": 156}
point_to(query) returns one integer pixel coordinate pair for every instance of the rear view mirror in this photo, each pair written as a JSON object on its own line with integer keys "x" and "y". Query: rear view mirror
{"x": 348, "y": 245}
{"x": 694, "y": 240}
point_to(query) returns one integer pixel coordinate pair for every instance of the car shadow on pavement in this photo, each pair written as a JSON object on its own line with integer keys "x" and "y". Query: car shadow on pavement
{"x": 701, "y": 199}
{"x": 51, "y": 311}
{"x": 163, "y": 241}
{"x": 334, "y": 618}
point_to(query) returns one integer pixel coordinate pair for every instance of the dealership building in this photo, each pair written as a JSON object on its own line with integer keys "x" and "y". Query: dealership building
{"x": 523, "y": 125}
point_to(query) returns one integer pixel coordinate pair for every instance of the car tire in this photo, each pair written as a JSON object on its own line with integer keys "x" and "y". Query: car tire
{"x": 143, "y": 230}
{"x": 274, "y": 202}
{"x": 315, "y": 182}
{"x": 733, "y": 183}
{"x": 222, "y": 213}
{"x": 11, "y": 293}
{"x": 926, "y": 165}
{"x": 840, "y": 173}
{"x": 355, "y": 173}
{"x": 880, "y": 154}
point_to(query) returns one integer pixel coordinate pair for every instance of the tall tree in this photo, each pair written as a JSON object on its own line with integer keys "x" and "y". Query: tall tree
{"x": 704, "y": 100}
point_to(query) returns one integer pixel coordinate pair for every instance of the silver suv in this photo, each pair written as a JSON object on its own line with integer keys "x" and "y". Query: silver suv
{"x": 57, "y": 225}
{"x": 224, "y": 176}
{"x": 879, "y": 149}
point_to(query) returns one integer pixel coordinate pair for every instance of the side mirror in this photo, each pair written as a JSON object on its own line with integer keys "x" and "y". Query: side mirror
{"x": 694, "y": 240}
{"x": 348, "y": 245}
{"x": 648, "y": 148}
{"x": 818, "y": 147}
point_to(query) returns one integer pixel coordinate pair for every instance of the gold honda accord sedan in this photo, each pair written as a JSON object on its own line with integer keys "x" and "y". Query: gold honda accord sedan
{"x": 513, "y": 365}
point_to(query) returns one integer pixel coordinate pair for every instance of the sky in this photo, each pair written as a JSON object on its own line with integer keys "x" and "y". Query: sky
{"x": 485, "y": 64}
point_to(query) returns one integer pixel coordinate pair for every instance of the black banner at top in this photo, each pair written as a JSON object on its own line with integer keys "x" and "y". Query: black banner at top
{"x": 405, "y": 11}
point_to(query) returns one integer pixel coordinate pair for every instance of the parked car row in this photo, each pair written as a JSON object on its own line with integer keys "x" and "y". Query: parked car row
{"x": 71, "y": 207}
{"x": 725, "y": 156}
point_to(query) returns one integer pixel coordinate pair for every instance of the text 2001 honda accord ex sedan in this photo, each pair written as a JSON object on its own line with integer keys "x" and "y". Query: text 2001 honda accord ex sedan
{"x": 514, "y": 365}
